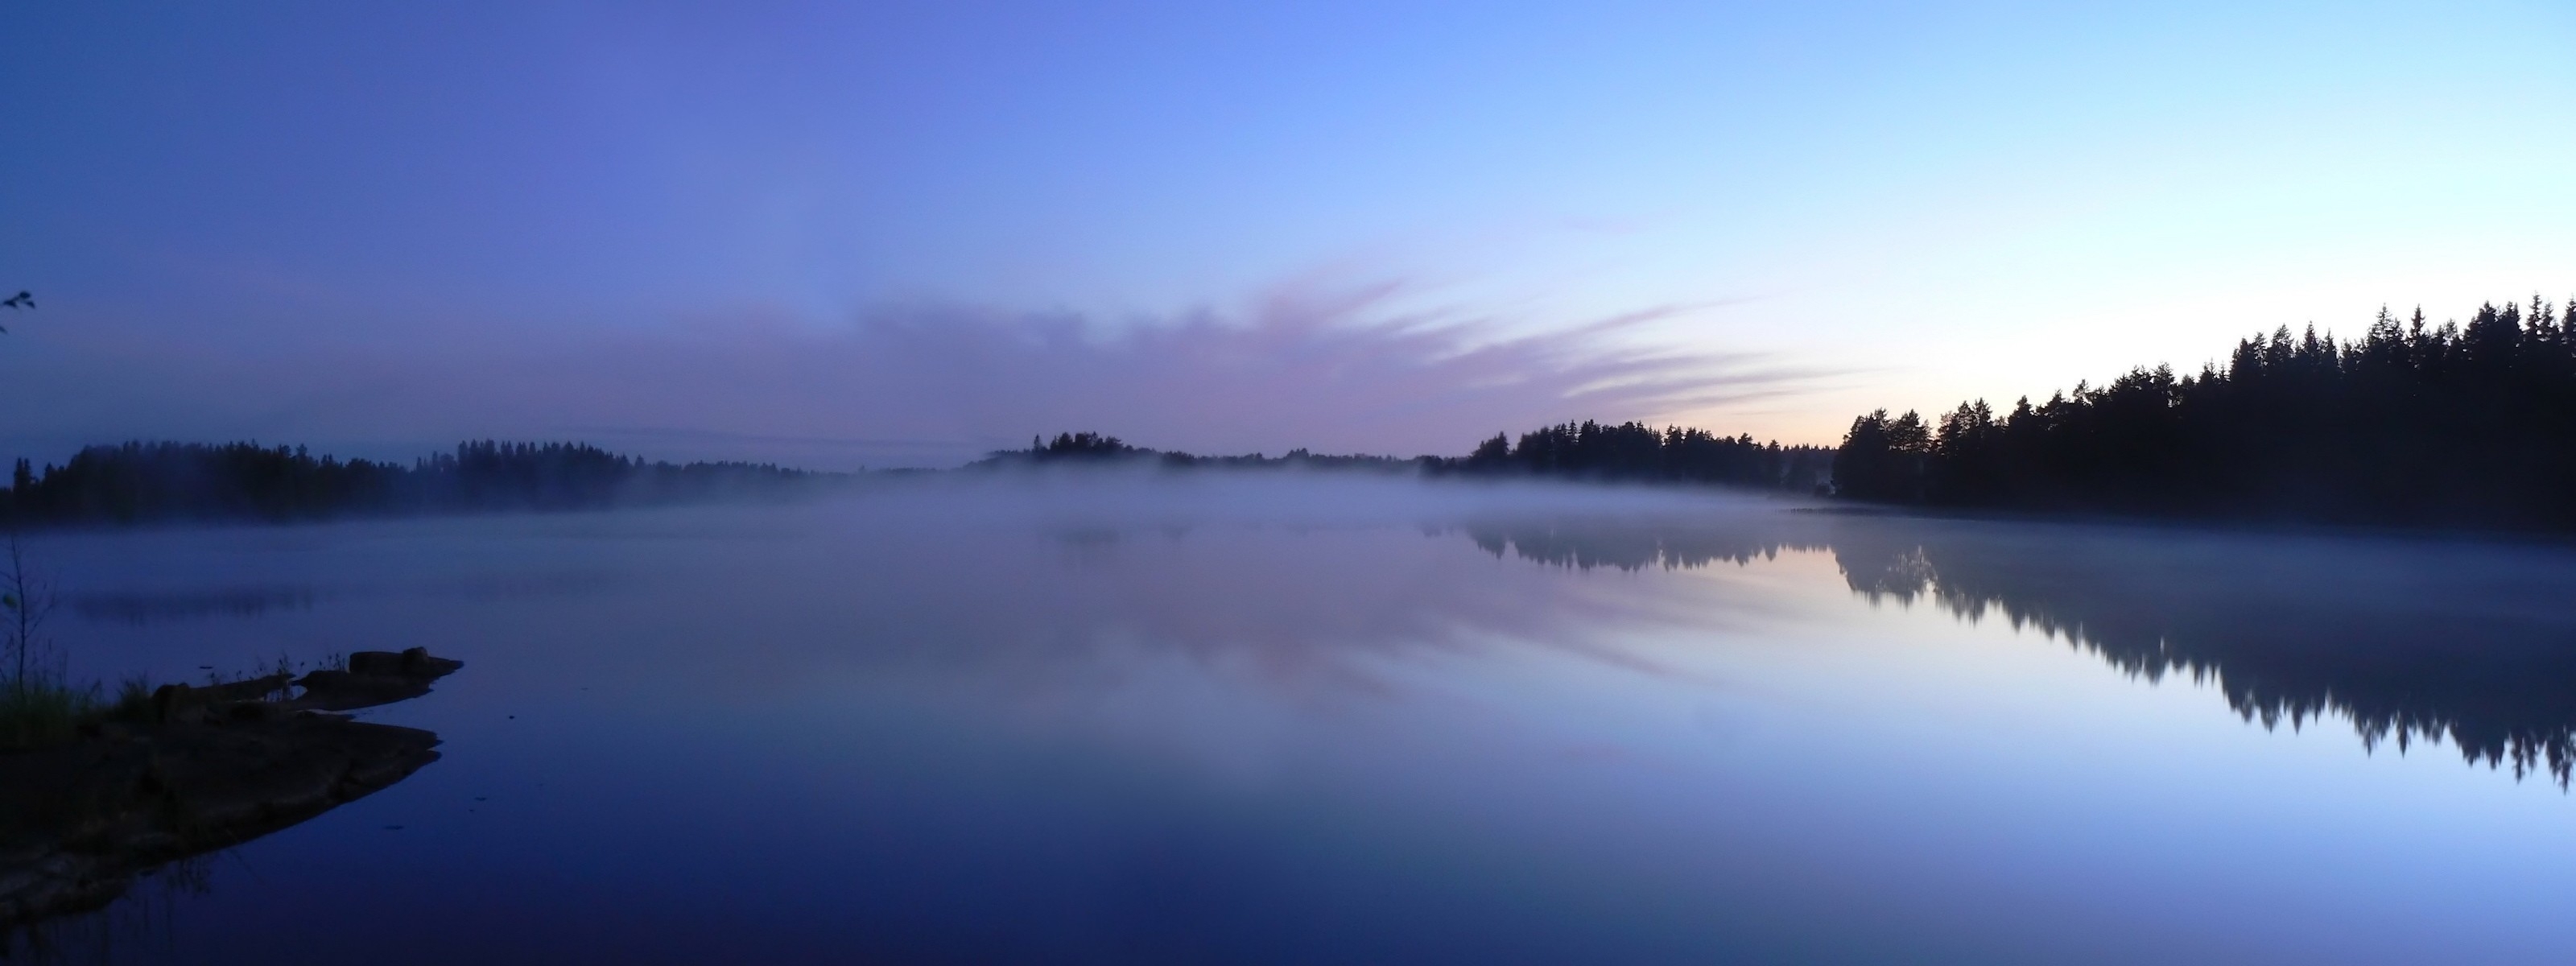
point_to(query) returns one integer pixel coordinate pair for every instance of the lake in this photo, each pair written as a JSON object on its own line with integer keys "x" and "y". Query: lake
{"x": 1286, "y": 718}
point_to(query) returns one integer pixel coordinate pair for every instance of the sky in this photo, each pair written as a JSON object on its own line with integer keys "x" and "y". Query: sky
{"x": 893, "y": 234}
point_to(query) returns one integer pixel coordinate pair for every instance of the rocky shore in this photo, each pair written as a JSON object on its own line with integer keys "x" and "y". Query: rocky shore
{"x": 218, "y": 766}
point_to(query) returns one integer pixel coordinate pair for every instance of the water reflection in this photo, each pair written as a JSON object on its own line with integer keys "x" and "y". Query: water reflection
{"x": 1317, "y": 722}
{"x": 149, "y": 791}
{"x": 156, "y": 608}
{"x": 2409, "y": 640}
{"x": 1637, "y": 543}
{"x": 140, "y": 923}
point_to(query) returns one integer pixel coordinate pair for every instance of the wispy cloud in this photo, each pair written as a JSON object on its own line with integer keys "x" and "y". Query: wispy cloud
{"x": 1339, "y": 369}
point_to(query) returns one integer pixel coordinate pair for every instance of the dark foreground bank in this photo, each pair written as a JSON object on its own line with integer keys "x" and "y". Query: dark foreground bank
{"x": 197, "y": 771}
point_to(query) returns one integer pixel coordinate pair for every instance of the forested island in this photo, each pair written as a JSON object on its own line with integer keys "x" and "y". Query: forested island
{"x": 1588, "y": 450}
{"x": 2408, "y": 425}
{"x": 1634, "y": 451}
{"x": 172, "y": 482}
{"x": 1097, "y": 449}
{"x": 139, "y": 482}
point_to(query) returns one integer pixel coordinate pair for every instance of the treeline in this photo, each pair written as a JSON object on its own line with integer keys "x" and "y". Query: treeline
{"x": 151, "y": 482}
{"x": 1590, "y": 450}
{"x": 1095, "y": 448}
{"x": 2445, "y": 425}
{"x": 1635, "y": 451}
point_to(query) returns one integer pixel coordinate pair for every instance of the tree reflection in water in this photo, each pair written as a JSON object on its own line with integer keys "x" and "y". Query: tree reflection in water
{"x": 2412, "y": 640}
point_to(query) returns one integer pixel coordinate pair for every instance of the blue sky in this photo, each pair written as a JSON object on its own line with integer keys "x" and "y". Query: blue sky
{"x": 901, "y": 233}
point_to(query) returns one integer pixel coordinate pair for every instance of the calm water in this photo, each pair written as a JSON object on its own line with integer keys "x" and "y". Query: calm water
{"x": 1321, "y": 720}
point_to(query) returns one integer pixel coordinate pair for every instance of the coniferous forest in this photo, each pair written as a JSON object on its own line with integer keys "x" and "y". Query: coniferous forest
{"x": 163, "y": 482}
{"x": 1588, "y": 450}
{"x": 156, "y": 482}
{"x": 2409, "y": 425}
{"x": 1635, "y": 451}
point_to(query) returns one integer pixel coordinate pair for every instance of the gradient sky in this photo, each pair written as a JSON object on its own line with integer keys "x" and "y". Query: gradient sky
{"x": 899, "y": 234}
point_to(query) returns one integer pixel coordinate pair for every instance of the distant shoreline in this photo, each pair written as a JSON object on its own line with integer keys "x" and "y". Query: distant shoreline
{"x": 139, "y": 483}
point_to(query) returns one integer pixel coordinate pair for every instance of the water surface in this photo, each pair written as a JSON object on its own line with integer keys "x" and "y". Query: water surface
{"x": 1331, "y": 720}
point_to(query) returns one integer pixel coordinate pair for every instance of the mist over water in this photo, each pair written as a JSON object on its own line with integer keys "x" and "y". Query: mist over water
{"x": 1098, "y": 716}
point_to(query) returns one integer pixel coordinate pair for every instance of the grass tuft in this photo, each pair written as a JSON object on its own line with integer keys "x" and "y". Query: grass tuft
{"x": 34, "y": 713}
{"x": 133, "y": 701}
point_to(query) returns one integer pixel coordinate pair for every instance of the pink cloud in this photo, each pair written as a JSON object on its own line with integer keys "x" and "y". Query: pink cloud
{"x": 1333, "y": 370}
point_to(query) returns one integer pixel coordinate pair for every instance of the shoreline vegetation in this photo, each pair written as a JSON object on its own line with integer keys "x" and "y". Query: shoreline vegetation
{"x": 2410, "y": 426}
{"x": 140, "y": 482}
{"x": 2459, "y": 427}
{"x": 175, "y": 773}
{"x": 172, "y": 482}
{"x": 1588, "y": 450}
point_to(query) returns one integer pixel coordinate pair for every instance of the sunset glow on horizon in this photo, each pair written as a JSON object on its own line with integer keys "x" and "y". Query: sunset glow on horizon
{"x": 888, "y": 235}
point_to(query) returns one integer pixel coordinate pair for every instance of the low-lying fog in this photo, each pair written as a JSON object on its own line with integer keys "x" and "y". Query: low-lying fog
{"x": 1100, "y": 715}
